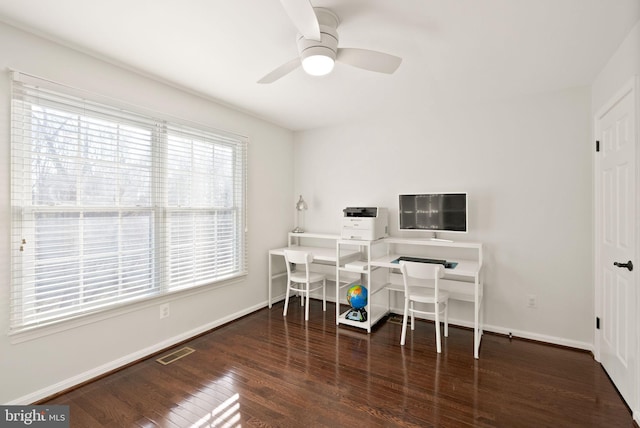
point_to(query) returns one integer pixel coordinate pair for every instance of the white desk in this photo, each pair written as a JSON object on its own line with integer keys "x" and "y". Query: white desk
{"x": 464, "y": 282}
{"x": 323, "y": 255}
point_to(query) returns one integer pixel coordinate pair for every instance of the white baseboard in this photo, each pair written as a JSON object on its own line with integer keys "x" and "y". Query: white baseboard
{"x": 539, "y": 337}
{"x": 494, "y": 329}
{"x": 518, "y": 333}
{"x": 127, "y": 359}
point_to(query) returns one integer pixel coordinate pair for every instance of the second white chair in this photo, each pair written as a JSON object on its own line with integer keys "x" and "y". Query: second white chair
{"x": 421, "y": 286}
{"x": 300, "y": 281}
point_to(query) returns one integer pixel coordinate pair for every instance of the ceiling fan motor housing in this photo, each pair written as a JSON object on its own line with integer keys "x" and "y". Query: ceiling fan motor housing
{"x": 328, "y": 43}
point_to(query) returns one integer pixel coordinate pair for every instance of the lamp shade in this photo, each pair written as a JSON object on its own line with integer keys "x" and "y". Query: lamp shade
{"x": 301, "y": 205}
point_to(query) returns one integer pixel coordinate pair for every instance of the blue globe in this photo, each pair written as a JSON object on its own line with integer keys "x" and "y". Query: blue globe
{"x": 357, "y": 296}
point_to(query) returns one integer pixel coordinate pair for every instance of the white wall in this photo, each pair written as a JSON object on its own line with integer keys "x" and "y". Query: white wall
{"x": 526, "y": 164}
{"x": 36, "y": 368}
{"x": 623, "y": 64}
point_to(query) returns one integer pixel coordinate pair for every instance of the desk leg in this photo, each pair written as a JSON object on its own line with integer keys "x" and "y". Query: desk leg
{"x": 476, "y": 314}
{"x": 337, "y": 296}
{"x": 270, "y": 280}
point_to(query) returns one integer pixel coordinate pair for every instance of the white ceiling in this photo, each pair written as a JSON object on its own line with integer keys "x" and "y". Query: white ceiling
{"x": 452, "y": 50}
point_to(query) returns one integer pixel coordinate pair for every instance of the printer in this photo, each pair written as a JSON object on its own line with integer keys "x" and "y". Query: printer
{"x": 365, "y": 223}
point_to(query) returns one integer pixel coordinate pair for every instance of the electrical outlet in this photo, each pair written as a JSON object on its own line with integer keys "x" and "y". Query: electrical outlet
{"x": 531, "y": 301}
{"x": 164, "y": 310}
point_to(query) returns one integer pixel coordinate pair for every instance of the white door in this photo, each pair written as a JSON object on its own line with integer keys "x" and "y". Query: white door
{"x": 616, "y": 222}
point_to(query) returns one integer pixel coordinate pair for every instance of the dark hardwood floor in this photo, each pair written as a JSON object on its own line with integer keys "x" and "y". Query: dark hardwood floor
{"x": 269, "y": 370}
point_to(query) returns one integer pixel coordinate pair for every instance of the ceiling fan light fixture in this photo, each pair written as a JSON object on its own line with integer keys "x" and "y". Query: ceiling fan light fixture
{"x": 318, "y": 57}
{"x": 318, "y": 65}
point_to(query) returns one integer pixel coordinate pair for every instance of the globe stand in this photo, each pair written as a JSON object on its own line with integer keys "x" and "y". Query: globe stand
{"x": 356, "y": 315}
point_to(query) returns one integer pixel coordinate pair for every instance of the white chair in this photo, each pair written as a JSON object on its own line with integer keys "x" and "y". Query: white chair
{"x": 300, "y": 281}
{"x": 421, "y": 286}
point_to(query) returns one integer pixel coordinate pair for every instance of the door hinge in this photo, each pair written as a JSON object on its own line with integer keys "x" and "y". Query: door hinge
{"x": 597, "y": 146}
{"x": 598, "y": 323}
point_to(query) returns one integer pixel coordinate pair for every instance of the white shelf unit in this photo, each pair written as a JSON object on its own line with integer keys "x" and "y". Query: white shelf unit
{"x": 350, "y": 272}
{"x": 464, "y": 281}
{"x": 313, "y": 239}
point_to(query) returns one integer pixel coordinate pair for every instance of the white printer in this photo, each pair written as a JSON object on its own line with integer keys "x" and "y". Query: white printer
{"x": 365, "y": 223}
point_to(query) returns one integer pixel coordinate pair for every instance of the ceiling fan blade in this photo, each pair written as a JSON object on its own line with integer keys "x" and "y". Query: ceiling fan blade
{"x": 281, "y": 71}
{"x": 303, "y": 17}
{"x": 369, "y": 60}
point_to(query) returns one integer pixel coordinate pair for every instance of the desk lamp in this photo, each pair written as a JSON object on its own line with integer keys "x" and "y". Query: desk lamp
{"x": 301, "y": 206}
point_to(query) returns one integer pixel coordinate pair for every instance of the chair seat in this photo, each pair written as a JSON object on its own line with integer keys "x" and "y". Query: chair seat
{"x": 302, "y": 277}
{"x": 426, "y": 295}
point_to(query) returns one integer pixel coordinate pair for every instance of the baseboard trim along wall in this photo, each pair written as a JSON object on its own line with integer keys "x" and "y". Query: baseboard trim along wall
{"x": 554, "y": 340}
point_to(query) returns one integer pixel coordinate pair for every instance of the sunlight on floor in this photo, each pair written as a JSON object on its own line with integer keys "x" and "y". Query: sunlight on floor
{"x": 227, "y": 414}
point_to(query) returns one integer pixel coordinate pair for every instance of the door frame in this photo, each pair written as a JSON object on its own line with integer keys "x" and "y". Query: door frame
{"x": 632, "y": 85}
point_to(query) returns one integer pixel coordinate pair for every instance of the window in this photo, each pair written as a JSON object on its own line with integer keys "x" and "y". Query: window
{"x": 111, "y": 206}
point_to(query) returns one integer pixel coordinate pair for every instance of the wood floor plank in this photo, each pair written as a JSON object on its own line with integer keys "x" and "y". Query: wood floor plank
{"x": 266, "y": 370}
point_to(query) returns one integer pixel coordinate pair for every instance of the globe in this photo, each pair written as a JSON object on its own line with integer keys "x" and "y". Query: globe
{"x": 357, "y": 296}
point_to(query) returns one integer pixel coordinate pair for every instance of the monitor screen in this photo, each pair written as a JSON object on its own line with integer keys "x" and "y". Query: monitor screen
{"x": 435, "y": 212}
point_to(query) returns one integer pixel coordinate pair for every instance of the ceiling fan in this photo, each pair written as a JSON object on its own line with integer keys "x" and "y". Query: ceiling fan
{"x": 318, "y": 45}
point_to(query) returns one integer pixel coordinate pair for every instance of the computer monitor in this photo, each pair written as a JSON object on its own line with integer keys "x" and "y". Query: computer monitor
{"x": 433, "y": 212}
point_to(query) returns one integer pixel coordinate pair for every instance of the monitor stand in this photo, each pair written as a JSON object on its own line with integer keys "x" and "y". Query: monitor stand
{"x": 435, "y": 238}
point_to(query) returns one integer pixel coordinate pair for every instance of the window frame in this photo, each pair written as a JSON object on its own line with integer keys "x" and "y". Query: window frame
{"x": 162, "y": 127}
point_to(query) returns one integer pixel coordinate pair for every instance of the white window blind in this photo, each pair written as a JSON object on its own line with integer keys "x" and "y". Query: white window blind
{"x": 111, "y": 206}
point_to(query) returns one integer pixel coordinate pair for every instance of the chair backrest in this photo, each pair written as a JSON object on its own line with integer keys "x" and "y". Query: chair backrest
{"x": 298, "y": 257}
{"x": 423, "y": 274}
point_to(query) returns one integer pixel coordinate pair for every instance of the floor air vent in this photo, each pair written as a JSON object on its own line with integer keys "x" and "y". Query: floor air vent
{"x": 397, "y": 319}
{"x": 175, "y": 356}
